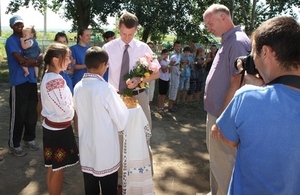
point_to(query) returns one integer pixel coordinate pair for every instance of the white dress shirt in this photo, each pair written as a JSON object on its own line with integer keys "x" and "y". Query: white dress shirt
{"x": 115, "y": 49}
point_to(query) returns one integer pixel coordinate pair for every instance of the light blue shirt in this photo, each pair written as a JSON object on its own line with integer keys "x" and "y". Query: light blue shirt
{"x": 186, "y": 71}
{"x": 266, "y": 123}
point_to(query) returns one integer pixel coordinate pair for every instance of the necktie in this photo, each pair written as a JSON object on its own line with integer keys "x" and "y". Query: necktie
{"x": 124, "y": 70}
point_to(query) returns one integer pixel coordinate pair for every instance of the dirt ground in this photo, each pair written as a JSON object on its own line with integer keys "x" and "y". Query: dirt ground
{"x": 181, "y": 164}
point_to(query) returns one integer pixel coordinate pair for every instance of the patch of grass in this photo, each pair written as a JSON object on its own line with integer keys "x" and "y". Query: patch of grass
{"x": 2, "y": 52}
{"x": 4, "y": 72}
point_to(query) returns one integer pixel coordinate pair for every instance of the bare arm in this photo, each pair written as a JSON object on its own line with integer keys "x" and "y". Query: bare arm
{"x": 217, "y": 134}
{"x": 133, "y": 82}
{"x": 79, "y": 66}
{"x": 25, "y": 44}
{"x": 28, "y": 61}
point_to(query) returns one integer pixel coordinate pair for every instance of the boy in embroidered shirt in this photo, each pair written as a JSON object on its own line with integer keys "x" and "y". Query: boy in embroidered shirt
{"x": 101, "y": 114}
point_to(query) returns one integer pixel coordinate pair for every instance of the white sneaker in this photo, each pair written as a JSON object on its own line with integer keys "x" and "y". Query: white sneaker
{"x": 17, "y": 151}
{"x": 32, "y": 145}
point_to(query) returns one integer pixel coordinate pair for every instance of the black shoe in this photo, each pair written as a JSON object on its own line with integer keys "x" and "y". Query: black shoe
{"x": 172, "y": 110}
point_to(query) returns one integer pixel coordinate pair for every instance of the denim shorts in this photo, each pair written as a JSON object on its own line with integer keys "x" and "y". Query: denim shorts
{"x": 184, "y": 83}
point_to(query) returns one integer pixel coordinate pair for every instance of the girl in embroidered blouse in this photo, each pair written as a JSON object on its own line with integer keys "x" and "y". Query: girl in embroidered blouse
{"x": 60, "y": 148}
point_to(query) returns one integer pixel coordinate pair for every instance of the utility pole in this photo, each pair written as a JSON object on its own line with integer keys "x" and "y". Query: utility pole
{"x": 45, "y": 20}
{"x": 232, "y": 10}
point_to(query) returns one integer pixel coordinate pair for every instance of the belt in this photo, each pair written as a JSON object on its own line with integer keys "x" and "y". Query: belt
{"x": 136, "y": 92}
{"x": 63, "y": 125}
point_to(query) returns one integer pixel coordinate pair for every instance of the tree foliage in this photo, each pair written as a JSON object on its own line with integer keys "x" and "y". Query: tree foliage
{"x": 83, "y": 13}
{"x": 182, "y": 18}
{"x": 157, "y": 17}
{"x": 251, "y": 13}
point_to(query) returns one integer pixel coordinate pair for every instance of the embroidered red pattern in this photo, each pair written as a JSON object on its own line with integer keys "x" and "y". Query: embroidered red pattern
{"x": 60, "y": 155}
{"x": 48, "y": 153}
{"x": 55, "y": 84}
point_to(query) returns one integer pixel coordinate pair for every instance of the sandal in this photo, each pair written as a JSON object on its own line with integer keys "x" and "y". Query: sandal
{"x": 160, "y": 110}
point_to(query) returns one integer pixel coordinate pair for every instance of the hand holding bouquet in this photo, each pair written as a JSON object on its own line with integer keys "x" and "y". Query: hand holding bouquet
{"x": 143, "y": 69}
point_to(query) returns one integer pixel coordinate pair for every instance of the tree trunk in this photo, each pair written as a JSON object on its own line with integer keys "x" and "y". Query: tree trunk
{"x": 253, "y": 16}
{"x": 83, "y": 13}
{"x": 145, "y": 35}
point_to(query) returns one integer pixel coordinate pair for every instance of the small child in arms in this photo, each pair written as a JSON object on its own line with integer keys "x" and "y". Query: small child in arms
{"x": 31, "y": 47}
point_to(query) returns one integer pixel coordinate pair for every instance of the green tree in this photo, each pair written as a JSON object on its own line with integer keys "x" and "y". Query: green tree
{"x": 155, "y": 16}
{"x": 251, "y": 13}
{"x": 158, "y": 18}
{"x": 247, "y": 13}
{"x": 83, "y": 13}
{"x": 161, "y": 17}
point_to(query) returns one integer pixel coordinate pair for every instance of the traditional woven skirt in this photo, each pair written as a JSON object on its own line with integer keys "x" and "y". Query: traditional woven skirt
{"x": 60, "y": 148}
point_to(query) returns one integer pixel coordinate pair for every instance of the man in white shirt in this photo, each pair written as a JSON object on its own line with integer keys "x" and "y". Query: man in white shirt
{"x": 128, "y": 26}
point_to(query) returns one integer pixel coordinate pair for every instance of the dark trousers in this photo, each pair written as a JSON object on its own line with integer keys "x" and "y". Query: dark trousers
{"x": 109, "y": 184}
{"x": 23, "y": 114}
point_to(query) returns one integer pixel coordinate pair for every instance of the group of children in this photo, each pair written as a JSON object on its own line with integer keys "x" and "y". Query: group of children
{"x": 93, "y": 99}
{"x": 179, "y": 74}
{"x": 60, "y": 101}
{"x": 182, "y": 74}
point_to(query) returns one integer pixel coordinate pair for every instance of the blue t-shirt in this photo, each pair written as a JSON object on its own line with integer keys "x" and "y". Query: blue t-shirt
{"x": 266, "y": 123}
{"x": 78, "y": 53}
{"x": 34, "y": 50}
{"x": 68, "y": 80}
{"x": 16, "y": 72}
{"x": 186, "y": 72}
{"x": 105, "y": 76}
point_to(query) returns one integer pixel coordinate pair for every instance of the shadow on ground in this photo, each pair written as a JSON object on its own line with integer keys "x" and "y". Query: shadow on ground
{"x": 179, "y": 149}
{"x": 178, "y": 144}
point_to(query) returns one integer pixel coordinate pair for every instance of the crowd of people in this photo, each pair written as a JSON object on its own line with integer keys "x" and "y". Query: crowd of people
{"x": 252, "y": 131}
{"x": 182, "y": 76}
{"x": 65, "y": 69}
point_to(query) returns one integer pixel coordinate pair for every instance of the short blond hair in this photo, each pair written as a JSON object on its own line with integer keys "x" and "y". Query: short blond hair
{"x": 31, "y": 29}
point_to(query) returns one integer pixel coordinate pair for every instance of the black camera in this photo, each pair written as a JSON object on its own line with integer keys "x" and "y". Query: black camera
{"x": 247, "y": 63}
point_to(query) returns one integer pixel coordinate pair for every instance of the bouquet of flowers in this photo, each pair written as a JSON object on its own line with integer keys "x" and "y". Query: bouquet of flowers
{"x": 144, "y": 68}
